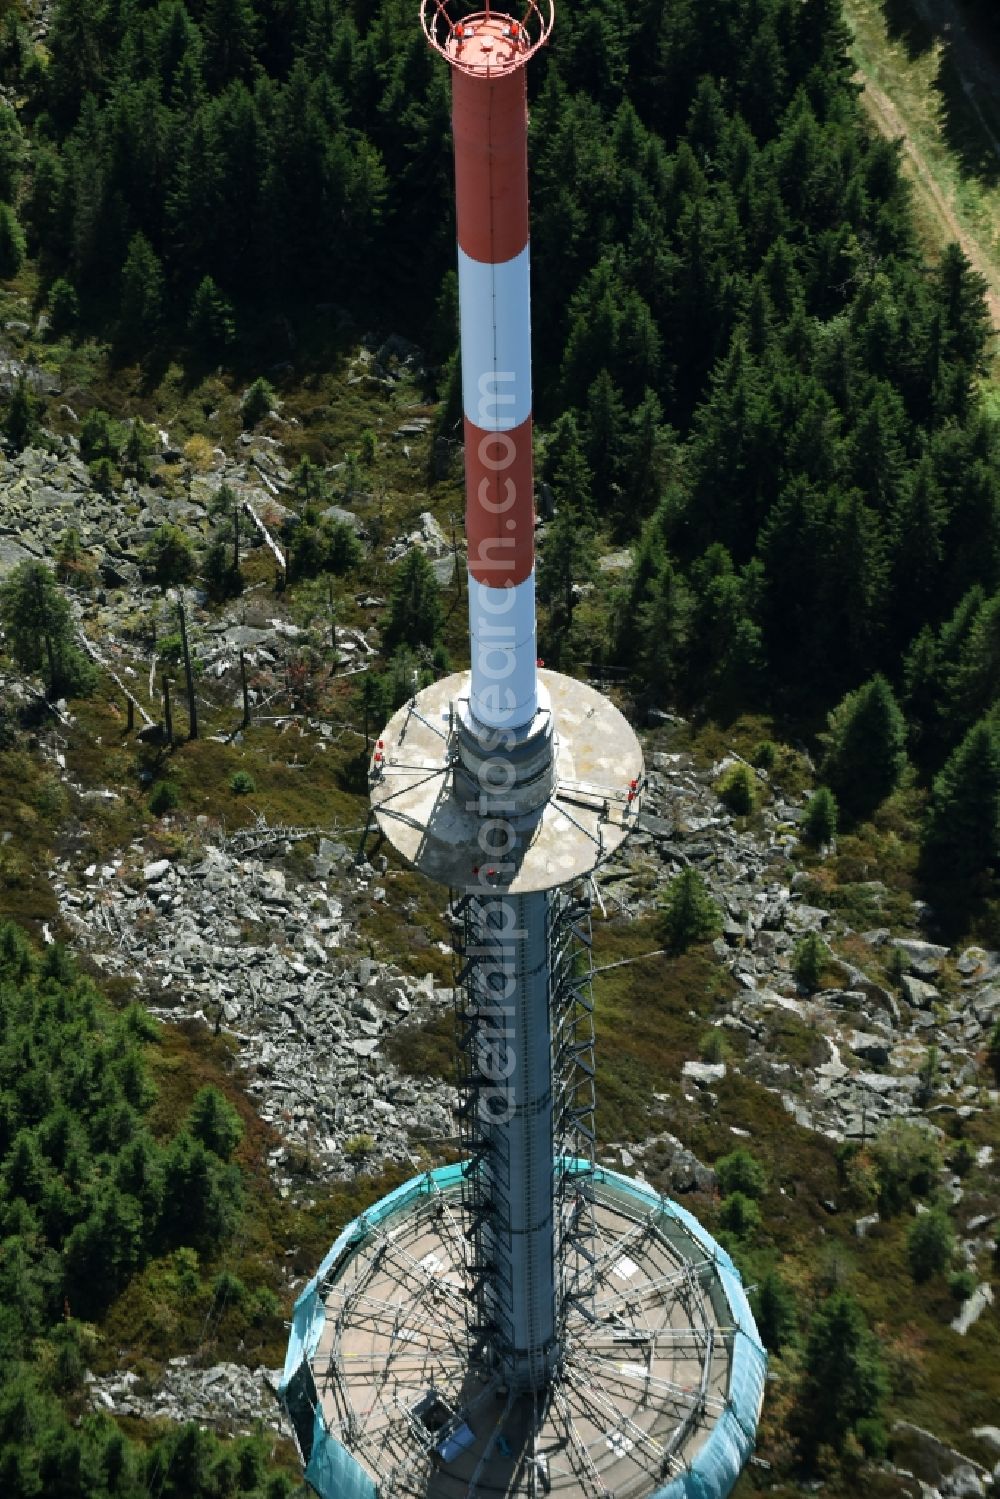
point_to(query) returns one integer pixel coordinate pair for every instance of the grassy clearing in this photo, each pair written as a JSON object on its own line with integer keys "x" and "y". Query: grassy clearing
{"x": 408, "y": 927}
{"x": 32, "y": 803}
{"x": 649, "y": 1019}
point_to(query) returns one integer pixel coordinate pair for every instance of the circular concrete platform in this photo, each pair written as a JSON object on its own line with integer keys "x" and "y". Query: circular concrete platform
{"x": 658, "y": 1392}
{"x": 424, "y": 815}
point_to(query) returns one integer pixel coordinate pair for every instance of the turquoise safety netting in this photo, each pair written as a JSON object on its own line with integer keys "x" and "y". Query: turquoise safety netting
{"x": 334, "y": 1474}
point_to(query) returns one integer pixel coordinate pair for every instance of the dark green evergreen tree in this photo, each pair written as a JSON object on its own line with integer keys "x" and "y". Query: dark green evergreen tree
{"x": 775, "y": 1313}
{"x": 415, "y": 615}
{"x": 142, "y": 293}
{"x": 688, "y": 912}
{"x": 64, "y": 306}
{"x": 865, "y": 747}
{"x": 844, "y": 1377}
{"x": 567, "y": 561}
{"x": 168, "y": 557}
{"x": 211, "y": 324}
{"x": 38, "y": 626}
{"x": 930, "y": 1244}
{"x": 11, "y": 243}
{"x": 20, "y": 422}
{"x": 215, "y": 1122}
{"x": 961, "y": 838}
{"x": 819, "y": 824}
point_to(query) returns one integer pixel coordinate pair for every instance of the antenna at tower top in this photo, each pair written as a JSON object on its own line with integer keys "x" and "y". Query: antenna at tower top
{"x": 486, "y": 42}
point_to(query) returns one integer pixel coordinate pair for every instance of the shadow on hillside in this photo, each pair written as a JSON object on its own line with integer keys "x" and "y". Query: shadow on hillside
{"x": 971, "y": 126}
{"x": 905, "y": 24}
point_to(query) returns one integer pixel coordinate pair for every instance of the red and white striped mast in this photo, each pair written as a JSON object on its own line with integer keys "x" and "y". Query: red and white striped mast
{"x": 511, "y": 783}
{"x": 488, "y": 52}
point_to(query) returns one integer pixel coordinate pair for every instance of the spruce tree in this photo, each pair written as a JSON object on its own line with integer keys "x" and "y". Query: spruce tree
{"x": 688, "y": 912}
{"x": 141, "y": 306}
{"x": 844, "y": 1377}
{"x": 215, "y": 1122}
{"x": 567, "y": 559}
{"x": 930, "y": 1244}
{"x": 808, "y": 959}
{"x": 64, "y": 306}
{"x": 415, "y": 616}
{"x": 19, "y": 420}
{"x": 38, "y": 626}
{"x": 865, "y": 747}
{"x": 961, "y": 838}
{"x": 819, "y": 824}
{"x": 168, "y": 557}
{"x": 11, "y": 243}
{"x": 211, "y": 324}
{"x": 775, "y": 1313}
{"x": 974, "y": 686}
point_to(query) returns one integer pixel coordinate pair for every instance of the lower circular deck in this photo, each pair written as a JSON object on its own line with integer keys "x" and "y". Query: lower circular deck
{"x": 661, "y": 1376}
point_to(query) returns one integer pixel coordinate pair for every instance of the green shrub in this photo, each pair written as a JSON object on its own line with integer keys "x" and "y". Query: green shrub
{"x": 257, "y": 402}
{"x": 170, "y": 649}
{"x": 775, "y": 1313}
{"x": 897, "y": 964}
{"x": 168, "y": 557}
{"x": 215, "y": 1122}
{"x": 242, "y": 783}
{"x": 228, "y": 1289}
{"x": 872, "y": 1435}
{"x": 741, "y": 1172}
{"x": 736, "y": 790}
{"x": 764, "y": 754}
{"x": 930, "y": 1243}
{"x": 907, "y": 1158}
{"x": 164, "y": 797}
{"x": 688, "y": 914}
{"x": 714, "y": 1046}
{"x": 739, "y": 1215}
{"x": 809, "y": 958}
{"x": 102, "y": 476}
{"x": 98, "y": 435}
{"x": 819, "y": 824}
{"x": 262, "y": 1305}
{"x": 961, "y": 1284}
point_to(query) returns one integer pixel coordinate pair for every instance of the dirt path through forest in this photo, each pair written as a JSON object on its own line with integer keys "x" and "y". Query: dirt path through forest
{"x": 891, "y": 123}
{"x": 976, "y": 69}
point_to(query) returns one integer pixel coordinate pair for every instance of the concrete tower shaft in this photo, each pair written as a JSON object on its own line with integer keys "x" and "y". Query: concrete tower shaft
{"x": 509, "y": 992}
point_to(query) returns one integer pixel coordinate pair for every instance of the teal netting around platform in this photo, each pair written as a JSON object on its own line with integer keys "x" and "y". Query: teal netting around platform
{"x": 719, "y": 1462}
{"x": 334, "y": 1474}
